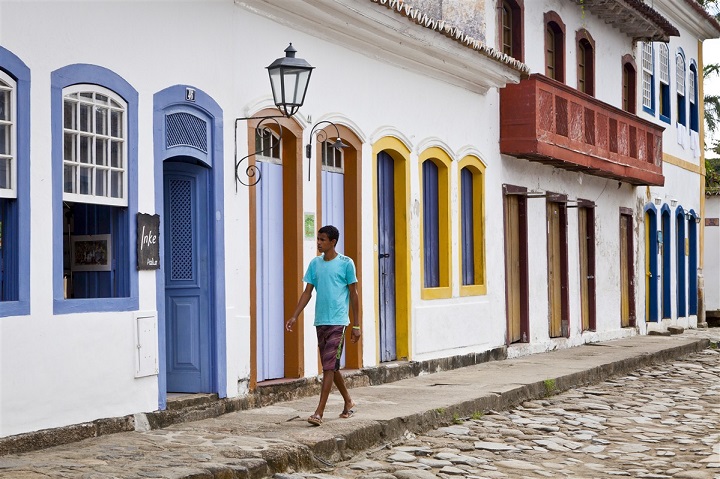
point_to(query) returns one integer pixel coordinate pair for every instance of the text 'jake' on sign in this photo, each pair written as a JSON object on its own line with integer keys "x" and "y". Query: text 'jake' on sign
{"x": 148, "y": 241}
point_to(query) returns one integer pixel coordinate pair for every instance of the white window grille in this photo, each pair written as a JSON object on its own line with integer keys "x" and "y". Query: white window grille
{"x": 680, "y": 74}
{"x": 647, "y": 74}
{"x": 664, "y": 55}
{"x": 267, "y": 143}
{"x": 332, "y": 158}
{"x": 691, "y": 86}
{"x": 8, "y": 166}
{"x": 94, "y": 146}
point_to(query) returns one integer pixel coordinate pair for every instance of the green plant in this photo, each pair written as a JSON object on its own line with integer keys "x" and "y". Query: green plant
{"x": 476, "y": 415}
{"x": 440, "y": 410}
{"x": 456, "y": 419}
{"x": 549, "y": 387}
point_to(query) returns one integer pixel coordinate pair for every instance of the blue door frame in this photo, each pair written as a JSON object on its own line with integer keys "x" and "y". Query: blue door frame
{"x": 206, "y": 149}
{"x": 652, "y": 266}
{"x": 680, "y": 265}
{"x": 666, "y": 262}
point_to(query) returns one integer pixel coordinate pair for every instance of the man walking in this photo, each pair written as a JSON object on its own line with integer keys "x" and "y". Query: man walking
{"x": 334, "y": 277}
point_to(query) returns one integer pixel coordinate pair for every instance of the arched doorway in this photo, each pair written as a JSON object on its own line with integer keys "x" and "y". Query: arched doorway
{"x": 391, "y": 162}
{"x": 191, "y": 282}
{"x": 276, "y": 255}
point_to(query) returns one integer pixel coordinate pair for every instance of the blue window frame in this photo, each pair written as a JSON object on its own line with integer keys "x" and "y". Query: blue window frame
{"x": 14, "y": 185}
{"x": 693, "y": 94}
{"x": 680, "y": 265}
{"x": 94, "y": 181}
{"x": 431, "y": 224}
{"x": 664, "y": 77}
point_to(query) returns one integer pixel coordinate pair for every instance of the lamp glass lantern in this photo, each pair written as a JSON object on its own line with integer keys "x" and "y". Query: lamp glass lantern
{"x": 289, "y": 79}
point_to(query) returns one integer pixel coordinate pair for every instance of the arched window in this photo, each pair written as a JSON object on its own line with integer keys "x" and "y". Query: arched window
{"x": 680, "y": 87}
{"x": 269, "y": 146}
{"x": 435, "y": 166}
{"x": 648, "y": 78}
{"x": 664, "y": 75}
{"x": 554, "y": 47}
{"x": 693, "y": 94}
{"x": 511, "y": 28}
{"x": 472, "y": 231}
{"x": 629, "y": 80}
{"x": 95, "y": 176}
{"x": 585, "y": 62}
{"x": 14, "y": 185}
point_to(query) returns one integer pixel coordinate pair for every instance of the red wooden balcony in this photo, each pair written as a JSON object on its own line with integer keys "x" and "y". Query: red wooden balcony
{"x": 547, "y": 121}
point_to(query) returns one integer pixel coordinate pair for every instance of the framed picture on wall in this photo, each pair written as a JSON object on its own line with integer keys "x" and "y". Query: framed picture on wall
{"x": 91, "y": 253}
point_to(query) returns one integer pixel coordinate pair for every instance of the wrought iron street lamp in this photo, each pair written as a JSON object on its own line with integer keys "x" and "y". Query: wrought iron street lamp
{"x": 289, "y": 79}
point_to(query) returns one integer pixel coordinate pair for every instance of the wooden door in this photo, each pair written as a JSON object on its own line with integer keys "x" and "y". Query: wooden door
{"x": 386, "y": 256}
{"x": 624, "y": 276}
{"x": 554, "y": 260}
{"x": 188, "y": 273}
{"x": 627, "y": 275}
{"x": 513, "y": 276}
{"x": 584, "y": 268}
{"x": 270, "y": 274}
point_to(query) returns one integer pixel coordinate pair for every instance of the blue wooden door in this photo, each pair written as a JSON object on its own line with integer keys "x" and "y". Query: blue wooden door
{"x": 188, "y": 289}
{"x": 386, "y": 255}
{"x": 333, "y": 211}
{"x": 269, "y": 277}
{"x": 333, "y": 204}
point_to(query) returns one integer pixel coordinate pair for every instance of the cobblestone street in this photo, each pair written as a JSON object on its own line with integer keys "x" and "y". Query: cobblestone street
{"x": 654, "y": 423}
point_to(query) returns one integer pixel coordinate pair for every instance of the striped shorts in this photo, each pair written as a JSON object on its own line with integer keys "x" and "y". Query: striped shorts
{"x": 331, "y": 340}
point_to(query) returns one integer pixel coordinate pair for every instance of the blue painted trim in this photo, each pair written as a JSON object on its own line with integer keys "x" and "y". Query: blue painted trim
{"x": 681, "y": 104}
{"x": 95, "y": 75}
{"x": 694, "y": 110}
{"x": 666, "y": 261}
{"x": 17, "y": 69}
{"x": 167, "y": 100}
{"x": 692, "y": 265}
{"x": 680, "y": 262}
{"x": 653, "y": 285}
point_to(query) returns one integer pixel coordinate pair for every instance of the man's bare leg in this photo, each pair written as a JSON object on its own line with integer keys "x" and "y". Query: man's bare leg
{"x": 327, "y": 383}
{"x": 342, "y": 389}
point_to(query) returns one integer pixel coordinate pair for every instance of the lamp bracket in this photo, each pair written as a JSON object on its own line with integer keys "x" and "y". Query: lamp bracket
{"x": 321, "y": 135}
{"x": 252, "y": 172}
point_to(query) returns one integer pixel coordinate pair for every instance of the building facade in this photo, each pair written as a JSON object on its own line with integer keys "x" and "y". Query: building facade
{"x": 496, "y": 188}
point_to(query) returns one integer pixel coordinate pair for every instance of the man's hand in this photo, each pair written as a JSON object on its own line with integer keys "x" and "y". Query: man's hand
{"x": 355, "y": 336}
{"x": 290, "y": 323}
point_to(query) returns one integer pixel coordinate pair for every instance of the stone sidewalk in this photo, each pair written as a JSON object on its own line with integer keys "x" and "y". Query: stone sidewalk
{"x": 260, "y": 442}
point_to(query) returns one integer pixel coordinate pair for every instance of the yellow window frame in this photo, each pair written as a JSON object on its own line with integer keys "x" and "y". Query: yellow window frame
{"x": 477, "y": 167}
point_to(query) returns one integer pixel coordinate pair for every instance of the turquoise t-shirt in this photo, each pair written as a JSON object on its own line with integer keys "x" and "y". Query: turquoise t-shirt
{"x": 331, "y": 280}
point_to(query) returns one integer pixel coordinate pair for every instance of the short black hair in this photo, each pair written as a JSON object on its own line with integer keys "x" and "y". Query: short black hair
{"x": 331, "y": 232}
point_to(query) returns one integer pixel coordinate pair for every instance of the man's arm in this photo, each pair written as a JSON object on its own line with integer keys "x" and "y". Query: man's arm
{"x": 302, "y": 302}
{"x": 355, "y": 306}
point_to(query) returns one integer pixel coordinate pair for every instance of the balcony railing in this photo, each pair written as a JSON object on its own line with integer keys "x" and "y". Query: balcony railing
{"x": 547, "y": 121}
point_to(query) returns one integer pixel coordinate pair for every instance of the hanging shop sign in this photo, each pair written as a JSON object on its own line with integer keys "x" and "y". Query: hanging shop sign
{"x": 148, "y": 241}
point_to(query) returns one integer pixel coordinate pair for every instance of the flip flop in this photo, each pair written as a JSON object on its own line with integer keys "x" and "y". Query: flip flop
{"x": 314, "y": 420}
{"x": 348, "y": 413}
